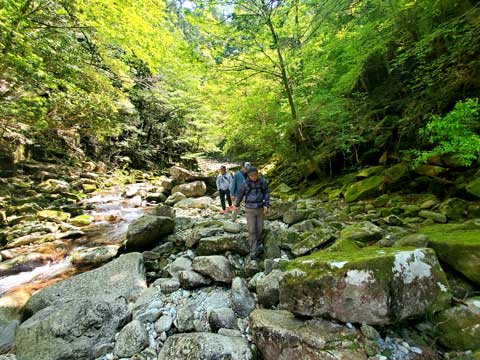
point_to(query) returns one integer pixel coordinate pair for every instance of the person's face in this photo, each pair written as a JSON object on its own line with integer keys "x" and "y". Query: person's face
{"x": 253, "y": 176}
{"x": 223, "y": 171}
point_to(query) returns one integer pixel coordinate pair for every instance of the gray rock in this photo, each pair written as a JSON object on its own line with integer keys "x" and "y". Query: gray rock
{"x": 122, "y": 277}
{"x": 147, "y": 297}
{"x": 370, "y": 332}
{"x": 268, "y": 288}
{"x": 164, "y": 324}
{"x": 279, "y": 335}
{"x": 243, "y": 301}
{"x": 131, "y": 340}
{"x": 252, "y": 284}
{"x": 95, "y": 255}
{"x": 217, "y": 267}
{"x": 7, "y": 335}
{"x": 230, "y": 332}
{"x": 165, "y": 211}
{"x": 222, "y": 318}
{"x": 53, "y": 186}
{"x": 192, "y": 279}
{"x": 221, "y": 244}
{"x": 167, "y": 285}
{"x": 232, "y": 227}
{"x": 205, "y": 346}
{"x": 175, "y": 198}
{"x": 181, "y": 175}
{"x": 147, "y": 231}
{"x": 77, "y": 329}
{"x": 180, "y": 264}
{"x": 291, "y": 217}
{"x": 184, "y": 320}
{"x": 193, "y": 189}
{"x": 307, "y": 225}
{"x": 148, "y": 315}
{"x": 417, "y": 240}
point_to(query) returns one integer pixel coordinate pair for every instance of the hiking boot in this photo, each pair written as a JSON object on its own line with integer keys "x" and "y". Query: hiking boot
{"x": 230, "y": 208}
{"x": 222, "y": 211}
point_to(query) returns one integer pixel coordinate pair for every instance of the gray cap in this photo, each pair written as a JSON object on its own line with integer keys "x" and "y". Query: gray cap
{"x": 252, "y": 169}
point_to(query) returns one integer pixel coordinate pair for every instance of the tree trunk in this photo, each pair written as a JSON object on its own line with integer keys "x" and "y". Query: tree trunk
{"x": 286, "y": 84}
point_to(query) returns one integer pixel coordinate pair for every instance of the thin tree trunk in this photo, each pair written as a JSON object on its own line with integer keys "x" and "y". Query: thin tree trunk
{"x": 286, "y": 83}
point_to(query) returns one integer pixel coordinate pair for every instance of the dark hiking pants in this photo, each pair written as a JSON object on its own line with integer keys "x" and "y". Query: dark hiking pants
{"x": 224, "y": 193}
{"x": 255, "y": 227}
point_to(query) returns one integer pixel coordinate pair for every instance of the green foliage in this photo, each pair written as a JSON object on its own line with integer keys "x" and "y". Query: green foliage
{"x": 454, "y": 134}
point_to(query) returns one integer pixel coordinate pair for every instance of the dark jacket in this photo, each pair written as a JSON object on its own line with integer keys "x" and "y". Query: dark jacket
{"x": 255, "y": 193}
{"x": 238, "y": 179}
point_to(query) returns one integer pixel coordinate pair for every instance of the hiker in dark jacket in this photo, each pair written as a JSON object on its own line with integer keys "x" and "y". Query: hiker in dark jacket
{"x": 257, "y": 201}
{"x": 238, "y": 180}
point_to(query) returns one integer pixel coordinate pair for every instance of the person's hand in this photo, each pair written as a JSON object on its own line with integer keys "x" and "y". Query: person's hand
{"x": 266, "y": 210}
{"x": 235, "y": 208}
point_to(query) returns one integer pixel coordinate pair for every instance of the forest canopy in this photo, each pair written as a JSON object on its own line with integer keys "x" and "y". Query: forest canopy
{"x": 335, "y": 83}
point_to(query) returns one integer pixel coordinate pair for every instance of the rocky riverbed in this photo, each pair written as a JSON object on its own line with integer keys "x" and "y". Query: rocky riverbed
{"x": 382, "y": 276}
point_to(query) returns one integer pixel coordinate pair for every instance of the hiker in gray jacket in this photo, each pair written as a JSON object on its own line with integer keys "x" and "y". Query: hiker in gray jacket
{"x": 224, "y": 181}
{"x": 257, "y": 201}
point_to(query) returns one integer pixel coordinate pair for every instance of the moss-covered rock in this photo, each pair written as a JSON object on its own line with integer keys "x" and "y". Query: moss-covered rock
{"x": 312, "y": 240}
{"x": 369, "y": 171}
{"x": 216, "y": 245}
{"x": 432, "y": 215}
{"x": 459, "y": 327}
{"x": 53, "y": 215}
{"x": 279, "y": 335}
{"x": 363, "y": 189}
{"x": 54, "y": 186}
{"x": 81, "y": 220}
{"x": 429, "y": 170}
{"x": 455, "y": 209}
{"x": 396, "y": 173}
{"x": 375, "y": 286}
{"x": 473, "y": 187}
{"x": 458, "y": 247}
{"x": 291, "y": 217}
{"x": 364, "y": 231}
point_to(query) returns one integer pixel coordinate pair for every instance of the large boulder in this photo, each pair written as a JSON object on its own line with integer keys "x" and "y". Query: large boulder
{"x": 94, "y": 255}
{"x": 242, "y": 299}
{"x": 312, "y": 240}
{"x": 75, "y": 329}
{"x": 291, "y": 217}
{"x": 205, "y": 346}
{"x": 363, "y": 231}
{"x": 369, "y": 187}
{"x": 7, "y": 335}
{"x": 181, "y": 175}
{"x": 223, "y": 243}
{"x": 217, "y": 267}
{"x": 124, "y": 277}
{"x": 131, "y": 340}
{"x": 267, "y": 288}
{"x": 147, "y": 231}
{"x": 193, "y": 189}
{"x": 280, "y": 336}
{"x": 454, "y": 209}
{"x": 459, "y": 326}
{"x": 375, "y": 286}
{"x": 457, "y": 246}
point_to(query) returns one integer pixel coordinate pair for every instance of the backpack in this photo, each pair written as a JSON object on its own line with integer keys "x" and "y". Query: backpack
{"x": 263, "y": 187}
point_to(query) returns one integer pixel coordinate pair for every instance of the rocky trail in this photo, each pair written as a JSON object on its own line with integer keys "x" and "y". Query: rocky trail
{"x": 98, "y": 265}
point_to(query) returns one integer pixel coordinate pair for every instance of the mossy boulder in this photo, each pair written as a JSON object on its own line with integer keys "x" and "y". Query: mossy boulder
{"x": 375, "y": 286}
{"x": 396, "y": 173}
{"x": 279, "y": 335}
{"x": 312, "y": 190}
{"x": 54, "y": 186}
{"x": 193, "y": 189}
{"x": 473, "y": 188}
{"x": 369, "y": 171}
{"x": 457, "y": 246}
{"x": 429, "y": 170}
{"x": 455, "y": 209}
{"x": 53, "y": 215}
{"x": 312, "y": 240}
{"x": 369, "y": 187}
{"x": 434, "y": 216}
{"x": 81, "y": 220}
{"x": 364, "y": 231}
{"x": 459, "y": 327}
